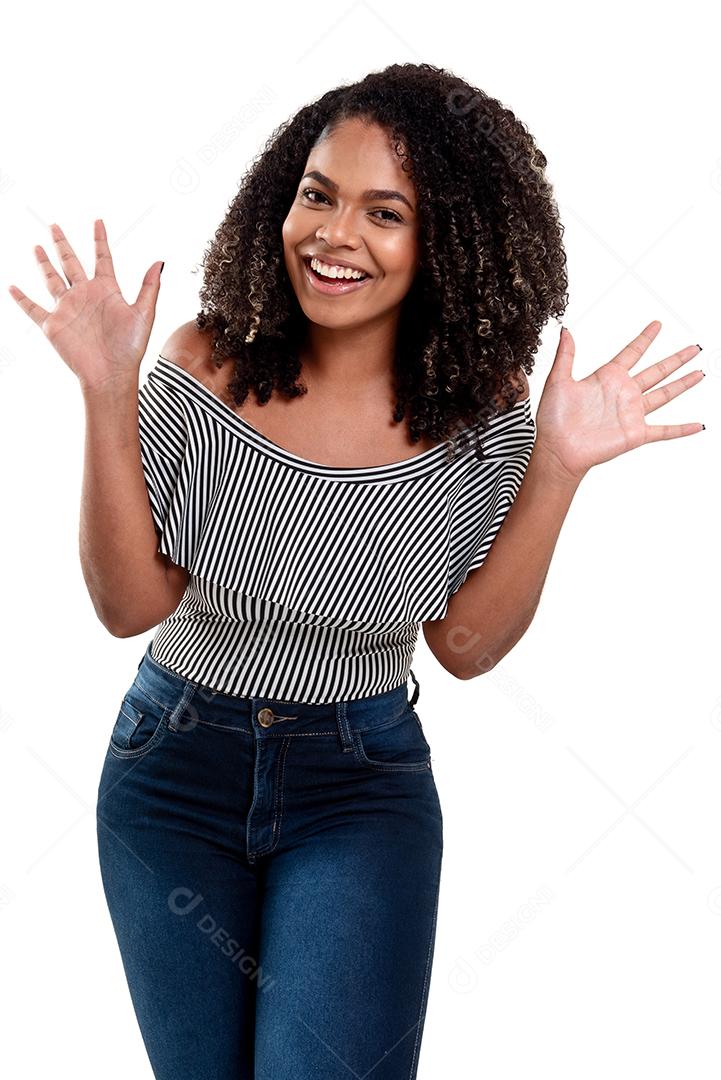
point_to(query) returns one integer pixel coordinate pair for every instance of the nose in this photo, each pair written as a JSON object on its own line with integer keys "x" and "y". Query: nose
{"x": 339, "y": 231}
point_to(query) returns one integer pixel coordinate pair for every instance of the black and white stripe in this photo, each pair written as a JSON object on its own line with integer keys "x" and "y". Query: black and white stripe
{"x": 309, "y": 582}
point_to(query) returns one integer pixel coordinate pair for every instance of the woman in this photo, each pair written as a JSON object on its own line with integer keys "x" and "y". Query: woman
{"x": 269, "y": 829}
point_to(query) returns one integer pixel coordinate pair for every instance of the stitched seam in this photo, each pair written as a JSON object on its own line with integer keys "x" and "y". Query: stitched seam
{"x": 426, "y": 982}
{"x": 138, "y": 684}
{"x": 275, "y": 835}
{"x": 247, "y": 731}
{"x": 300, "y": 734}
{"x": 133, "y": 719}
{"x": 256, "y": 788}
{"x": 384, "y": 727}
{"x": 225, "y": 727}
{"x": 275, "y": 831}
{"x": 179, "y": 709}
{"x": 141, "y": 750}
{"x": 386, "y": 766}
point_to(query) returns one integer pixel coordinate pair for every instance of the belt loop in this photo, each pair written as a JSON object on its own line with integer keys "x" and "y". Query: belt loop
{"x": 417, "y": 690}
{"x": 344, "y": 733}
{"x": 177, "y": 721}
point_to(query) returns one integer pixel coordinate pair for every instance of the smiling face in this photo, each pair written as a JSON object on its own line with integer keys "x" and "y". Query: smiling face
{"x": 354, "y": 206}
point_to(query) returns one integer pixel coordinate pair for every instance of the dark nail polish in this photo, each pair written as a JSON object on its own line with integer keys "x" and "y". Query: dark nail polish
{"x": 699, "y": 346}
{"x": 704, "y": 374}
{"x": 161, "y": 268}
{"x": 703, "y": 426}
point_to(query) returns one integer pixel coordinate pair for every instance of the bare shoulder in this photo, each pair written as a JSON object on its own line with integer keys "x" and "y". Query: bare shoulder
{"x": 191, "y": 349}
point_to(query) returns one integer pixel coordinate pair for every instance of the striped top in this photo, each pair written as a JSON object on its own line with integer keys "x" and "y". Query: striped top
{"x": 309, "y": 582}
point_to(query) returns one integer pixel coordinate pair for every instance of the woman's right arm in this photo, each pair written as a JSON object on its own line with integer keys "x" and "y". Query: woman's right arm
{"x": 133, "y": 586}
{"x": 103, "y": 339}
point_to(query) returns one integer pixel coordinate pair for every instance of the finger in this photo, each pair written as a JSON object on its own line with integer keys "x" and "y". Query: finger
{"x": 654, "y": 374}
{"x": 103, "y": 259}
{"x": 659, "y": 397}
{"x": 562, "y": 366}
{"x": 69, "y": 261}
{"x": 56, "y": 285}
{"x": 36, "y": 313}
{"x": 656, "y": 432}
{"x": 635, "y": 349}
{"x": 148, "y": 294}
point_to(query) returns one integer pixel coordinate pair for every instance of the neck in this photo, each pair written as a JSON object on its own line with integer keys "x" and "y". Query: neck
{"x": 354, "y": 362}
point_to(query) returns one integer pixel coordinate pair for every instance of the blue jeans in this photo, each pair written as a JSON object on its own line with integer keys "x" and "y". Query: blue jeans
{"x": 272, "y": 872}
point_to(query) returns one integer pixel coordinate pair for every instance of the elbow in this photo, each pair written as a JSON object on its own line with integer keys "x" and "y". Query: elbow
{"x": 124, "y": 623}
{"x": 125, "y": 628}
{"x": 109, "y": 614}
{"x": 469, "y": 669}
{"x": 119, "y": 625}
{"x": 463, "y": 660}
{"x": 124, "y": 632}
{"x": 109, "y": 619}
{"x": 464, "y": 674}
{"x": 487, "y": 660}
{"x": 120, "y": 629}
{"x": 477, "y": 663}
{"x": 137, "y": 615}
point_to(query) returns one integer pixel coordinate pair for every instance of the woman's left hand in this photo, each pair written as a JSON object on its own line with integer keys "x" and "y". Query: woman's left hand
{"x": 583, "y": 423}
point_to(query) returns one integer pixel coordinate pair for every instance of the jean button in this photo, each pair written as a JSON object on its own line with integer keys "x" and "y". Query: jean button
{"x": 265, "y": 717}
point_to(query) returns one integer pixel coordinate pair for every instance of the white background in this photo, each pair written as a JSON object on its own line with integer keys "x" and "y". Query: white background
{"x": 579, "y": 929}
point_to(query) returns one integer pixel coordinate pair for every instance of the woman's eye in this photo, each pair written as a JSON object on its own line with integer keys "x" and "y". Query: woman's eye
{"x": 394, "y": 216}
{"x": 307, "y": 192}
{"x": 310, "y": 191}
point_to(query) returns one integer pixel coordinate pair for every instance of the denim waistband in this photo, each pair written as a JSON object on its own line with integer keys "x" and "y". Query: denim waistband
{"x": 265, "y": 716}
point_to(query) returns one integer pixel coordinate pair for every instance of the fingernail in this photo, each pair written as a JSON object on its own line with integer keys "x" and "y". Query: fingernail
{"x": 161, "y": 267}
{"x": 703, "y": 426}
{"x": 699, "y": 346}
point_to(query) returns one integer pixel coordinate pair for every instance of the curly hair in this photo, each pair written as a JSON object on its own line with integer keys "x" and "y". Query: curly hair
{"x": 492, "y": 268}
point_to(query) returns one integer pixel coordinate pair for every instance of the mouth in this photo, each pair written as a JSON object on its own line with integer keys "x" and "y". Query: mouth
{"x": 328, "y": 286}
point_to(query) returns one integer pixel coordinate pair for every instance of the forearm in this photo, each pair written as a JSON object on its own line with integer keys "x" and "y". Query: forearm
{"x": 495, "y": 605}
{"x": 124, "y": 573}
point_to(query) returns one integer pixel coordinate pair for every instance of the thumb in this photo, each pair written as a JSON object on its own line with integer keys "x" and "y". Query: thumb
{"x": 563, "y": 360}
{"x": 148, "y": 294}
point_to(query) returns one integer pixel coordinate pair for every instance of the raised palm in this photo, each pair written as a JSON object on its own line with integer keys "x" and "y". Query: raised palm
{"x": 95, "y": 331}
{"x": 582, "y": 423}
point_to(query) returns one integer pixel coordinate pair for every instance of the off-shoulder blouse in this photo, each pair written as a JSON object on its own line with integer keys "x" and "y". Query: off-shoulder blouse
{"x": 309, "y": 582}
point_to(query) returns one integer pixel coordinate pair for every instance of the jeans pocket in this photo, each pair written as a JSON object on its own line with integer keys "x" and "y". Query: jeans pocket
{"x": 140, "y": 724}
{"x": 398, "y": 747}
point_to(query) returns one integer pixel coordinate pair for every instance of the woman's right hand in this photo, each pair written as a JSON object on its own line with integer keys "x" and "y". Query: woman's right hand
{"x": 99, "y": 336}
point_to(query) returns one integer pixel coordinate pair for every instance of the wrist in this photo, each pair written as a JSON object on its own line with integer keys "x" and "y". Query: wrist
{"x": 551, "y": 471}
{"x": 111, "y": 385}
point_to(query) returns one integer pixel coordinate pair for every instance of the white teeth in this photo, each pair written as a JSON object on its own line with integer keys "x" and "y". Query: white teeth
{"x": 335, "y": 272}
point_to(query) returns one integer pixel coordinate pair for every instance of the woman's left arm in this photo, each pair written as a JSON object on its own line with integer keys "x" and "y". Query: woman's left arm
{"x": 579, "y": 424}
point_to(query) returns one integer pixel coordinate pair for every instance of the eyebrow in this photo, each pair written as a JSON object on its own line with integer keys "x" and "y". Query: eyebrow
{"x": 370, "y": 195}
